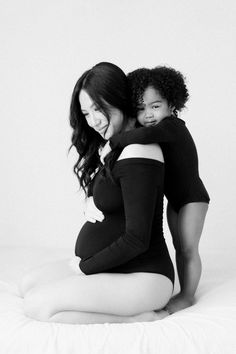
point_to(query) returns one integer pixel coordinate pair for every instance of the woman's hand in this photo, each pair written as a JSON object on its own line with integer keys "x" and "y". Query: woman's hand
{"x": 91, "y": 212}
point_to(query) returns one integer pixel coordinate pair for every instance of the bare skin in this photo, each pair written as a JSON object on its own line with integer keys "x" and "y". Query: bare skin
{"x": 49, "y": 273}
{"x": 55, "y": 293}
{"x": 74, "y": 317}
{"x": 186, "y": 229}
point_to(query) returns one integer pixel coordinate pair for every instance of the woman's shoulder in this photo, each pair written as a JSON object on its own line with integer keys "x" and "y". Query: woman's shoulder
{"x": 148, "y": 151}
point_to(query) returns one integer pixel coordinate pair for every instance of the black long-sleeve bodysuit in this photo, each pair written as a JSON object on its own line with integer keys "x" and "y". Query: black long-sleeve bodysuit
{"x": 182, "y": 182}
{"x": 130, "y": 238}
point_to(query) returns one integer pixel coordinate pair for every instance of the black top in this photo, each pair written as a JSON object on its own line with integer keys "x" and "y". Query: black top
{"x": 182, "y": 182}
{"x": 130, "y": 238}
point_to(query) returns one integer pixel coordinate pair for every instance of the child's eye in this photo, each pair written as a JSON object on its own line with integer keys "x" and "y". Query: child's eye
{"x": 140, "y": 108}
{"x": 155, "y": 106}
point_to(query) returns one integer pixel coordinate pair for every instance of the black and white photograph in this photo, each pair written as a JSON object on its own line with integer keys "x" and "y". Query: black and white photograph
{"x": 117, "y": 140}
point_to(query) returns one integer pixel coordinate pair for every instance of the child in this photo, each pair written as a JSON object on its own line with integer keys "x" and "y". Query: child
{"x": 157, "y": 96}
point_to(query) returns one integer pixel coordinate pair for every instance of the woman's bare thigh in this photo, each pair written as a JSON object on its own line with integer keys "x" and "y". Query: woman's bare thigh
{"x": 110, "y": 293}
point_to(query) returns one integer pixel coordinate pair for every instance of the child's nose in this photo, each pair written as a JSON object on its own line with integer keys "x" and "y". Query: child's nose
{"x": 148, "y": 113}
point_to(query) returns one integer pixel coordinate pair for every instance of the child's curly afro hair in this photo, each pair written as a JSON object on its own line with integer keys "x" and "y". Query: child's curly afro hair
{"x": 167, "y": 81}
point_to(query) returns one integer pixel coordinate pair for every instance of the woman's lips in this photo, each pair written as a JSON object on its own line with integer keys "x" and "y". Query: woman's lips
{"x": 102, "y": 131}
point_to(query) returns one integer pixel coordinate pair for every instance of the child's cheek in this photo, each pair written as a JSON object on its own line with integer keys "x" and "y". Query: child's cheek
{"x": 138, "y": 124}
{"x": 140, "y": 120}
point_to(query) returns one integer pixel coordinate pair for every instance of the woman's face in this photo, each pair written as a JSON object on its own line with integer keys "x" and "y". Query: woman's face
{"x": 153, "y": 108}
{"x": 97, "y": 120}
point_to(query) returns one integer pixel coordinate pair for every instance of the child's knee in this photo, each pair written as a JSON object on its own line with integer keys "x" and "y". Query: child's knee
{"x": 189, "y": 252}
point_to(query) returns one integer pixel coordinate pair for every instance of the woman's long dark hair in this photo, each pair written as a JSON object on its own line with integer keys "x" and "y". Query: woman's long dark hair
{"x": 106, "y": 84}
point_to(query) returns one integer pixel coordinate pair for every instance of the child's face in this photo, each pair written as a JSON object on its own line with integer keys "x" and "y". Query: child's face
{"x": 153, "y": 108}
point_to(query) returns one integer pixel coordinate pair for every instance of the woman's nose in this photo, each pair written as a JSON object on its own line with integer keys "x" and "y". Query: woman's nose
{"x": 95, "y": 121}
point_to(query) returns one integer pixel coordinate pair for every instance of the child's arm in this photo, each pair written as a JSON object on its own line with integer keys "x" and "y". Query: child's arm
{"x": 160, "y": 133}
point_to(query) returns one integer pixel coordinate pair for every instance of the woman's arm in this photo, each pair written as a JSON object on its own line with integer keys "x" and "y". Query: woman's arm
{"x": 141, "y": 182}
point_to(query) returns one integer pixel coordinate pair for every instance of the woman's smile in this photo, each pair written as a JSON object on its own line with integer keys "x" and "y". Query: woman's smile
{"x": 96, "y": 119}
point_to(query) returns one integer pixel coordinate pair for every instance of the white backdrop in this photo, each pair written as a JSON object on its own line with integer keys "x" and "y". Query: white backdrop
{"x": 46, "y": 45}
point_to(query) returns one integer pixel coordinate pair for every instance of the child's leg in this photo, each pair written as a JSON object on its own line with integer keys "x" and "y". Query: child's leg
{"x": 190, "y": 224}
{"x": 191, "y": 219}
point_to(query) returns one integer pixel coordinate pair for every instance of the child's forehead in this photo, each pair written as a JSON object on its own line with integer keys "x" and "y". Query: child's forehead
{"x": 150, "y": 94}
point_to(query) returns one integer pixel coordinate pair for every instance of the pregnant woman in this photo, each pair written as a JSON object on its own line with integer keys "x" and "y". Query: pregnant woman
{"x": 126, "y": 274}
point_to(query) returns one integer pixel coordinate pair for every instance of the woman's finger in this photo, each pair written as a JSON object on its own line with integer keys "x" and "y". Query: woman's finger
{"x": 92, "y": 215}
{"x": 91, "y": 220}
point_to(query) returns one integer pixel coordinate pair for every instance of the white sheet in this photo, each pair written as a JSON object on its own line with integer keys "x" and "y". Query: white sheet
{"x": 207, "y": 327}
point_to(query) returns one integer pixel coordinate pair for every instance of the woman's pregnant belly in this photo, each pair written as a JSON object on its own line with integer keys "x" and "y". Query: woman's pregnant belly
{"x": 93, "y": 237}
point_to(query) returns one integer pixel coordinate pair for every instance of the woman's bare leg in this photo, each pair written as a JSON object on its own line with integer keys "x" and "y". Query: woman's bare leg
{"x": 190, "y": 223}
{"x": 45, "y": 274}
{"x": 125, "y": 295}
{"x": 53, "y": 271}
{"x": 76, "y": 317}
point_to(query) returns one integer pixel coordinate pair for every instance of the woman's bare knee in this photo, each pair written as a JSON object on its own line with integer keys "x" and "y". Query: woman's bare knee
{"x": 25, "y": 284}
{"x": 33, "y": 306}
{"x": 117, "y": 294}
{"x": 44, "y": 274}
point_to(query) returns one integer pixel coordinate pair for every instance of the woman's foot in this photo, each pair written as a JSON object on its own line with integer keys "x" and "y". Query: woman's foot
{"x": 150, "y": 316}
{"x": 178, "y": 303}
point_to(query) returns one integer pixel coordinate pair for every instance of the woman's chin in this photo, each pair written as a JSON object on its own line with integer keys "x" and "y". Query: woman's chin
{"x": 107, "y": 135}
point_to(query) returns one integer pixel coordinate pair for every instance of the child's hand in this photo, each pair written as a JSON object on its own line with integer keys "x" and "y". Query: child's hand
{"x": 106, "y": 149}
{"x": 91, "y": 212}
